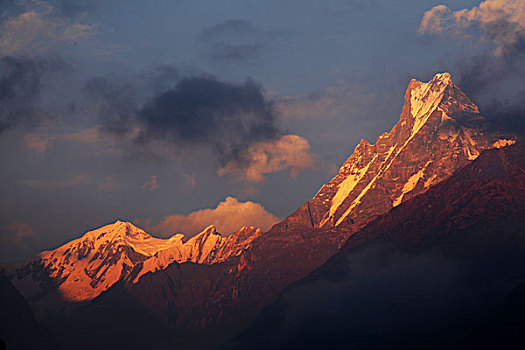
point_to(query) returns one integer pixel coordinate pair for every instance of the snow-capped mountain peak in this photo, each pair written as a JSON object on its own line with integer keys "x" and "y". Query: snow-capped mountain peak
{"x": 440, "y": 129}
{"x": 89, "y": 265}
{"x": 207, "y": 247}
{"x": 425, "y": 99}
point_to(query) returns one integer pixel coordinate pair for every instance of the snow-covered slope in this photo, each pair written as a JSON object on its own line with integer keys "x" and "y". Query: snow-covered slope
{"x": 87, "y": 266}
{"x": 440, "y": 130}
{"x": 208, "y": 247}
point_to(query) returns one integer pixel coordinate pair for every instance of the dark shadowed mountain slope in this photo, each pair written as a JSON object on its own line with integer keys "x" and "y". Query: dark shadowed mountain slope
{"x": 503, "y": 328}
{"x": 429, "y": 274}
{"x": 18, "y": 327}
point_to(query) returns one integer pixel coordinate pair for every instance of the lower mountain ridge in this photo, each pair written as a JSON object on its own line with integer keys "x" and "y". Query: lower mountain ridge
{"x": 86, "y": 267}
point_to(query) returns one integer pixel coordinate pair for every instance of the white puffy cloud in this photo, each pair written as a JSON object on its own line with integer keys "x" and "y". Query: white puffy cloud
{"x": 289, "y": 151}
{"x": 229, "y": 216}
{"x": 499, "y": 21}
{"x": 434, "y": 20}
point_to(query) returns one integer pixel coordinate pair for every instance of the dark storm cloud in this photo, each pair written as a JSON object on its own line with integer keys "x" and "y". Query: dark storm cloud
{"x": 509, "y": 115}
{"x": 162, "y": 78}
{"x": 21, "y": 83}
{"x": 495, "y": 83}
{"x": 116, "y": 103}
{"x": 233, "y": 28}
{"x": 487, "y": 69}
{"x": 120, "y": 98}
{"x": 194, "y": 111}
{"x": 205, "y": 111}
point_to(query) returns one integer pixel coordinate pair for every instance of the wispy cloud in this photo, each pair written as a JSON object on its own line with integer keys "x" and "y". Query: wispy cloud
{"x": 235, "y": 52}
{"x": 151, "y": 184}
{"x": 41, "y": 143}
{"x": 190, "y": 182}
{"x": 234, "y": 40}
{"x": 57, "y": 183}
{"x": 110, "y": 184}
{"x": 236, "y": 28}
{"x": 39, "y": 29}
{"x": 17, "y": 235}
{"x": 330, "y": 102}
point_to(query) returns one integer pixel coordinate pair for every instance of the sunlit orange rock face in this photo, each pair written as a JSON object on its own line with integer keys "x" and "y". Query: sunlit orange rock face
{"x": 88, "y": 266}
{"x": 439, "y": 131}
